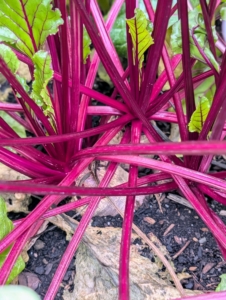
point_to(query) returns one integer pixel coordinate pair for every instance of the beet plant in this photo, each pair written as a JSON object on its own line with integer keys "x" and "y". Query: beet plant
{"x": 175, "y": 73}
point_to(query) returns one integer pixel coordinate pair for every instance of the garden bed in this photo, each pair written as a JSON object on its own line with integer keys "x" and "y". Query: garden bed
{"x": 201, "y": 258}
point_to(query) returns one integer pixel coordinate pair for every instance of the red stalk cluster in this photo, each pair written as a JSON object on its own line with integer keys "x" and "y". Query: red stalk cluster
{"x": 73, "y": 143}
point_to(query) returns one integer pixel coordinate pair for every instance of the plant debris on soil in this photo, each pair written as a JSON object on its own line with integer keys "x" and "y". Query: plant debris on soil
{"x": 175, "y": 225}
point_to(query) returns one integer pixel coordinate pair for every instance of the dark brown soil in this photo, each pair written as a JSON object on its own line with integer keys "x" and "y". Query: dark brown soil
{"x": 202, "y": 253}
{"x": 201, "y": 259}
{"x": 44, "y": 262}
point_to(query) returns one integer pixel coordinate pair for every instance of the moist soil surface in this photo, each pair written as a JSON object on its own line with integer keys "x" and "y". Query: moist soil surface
{"x": 201, "y": 258}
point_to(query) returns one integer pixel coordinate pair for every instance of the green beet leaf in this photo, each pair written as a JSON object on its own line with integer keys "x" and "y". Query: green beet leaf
{"x": 19, "y": 129}
{"x": 140, "y": 30}
{"x": 199, "y": 115}
{"x": 23, "y": 82}
{"x": 105, "y": 5}
{"x": 86, "y": 45}
{"x": 222, "y": 285}
{"x": 223, "y": 13}
{"x": 194, "y": 3}
{"x": 9, "y": 57}
{"x": 42, "y": 75}
{"x": 6, "y": 226}
{"x": 118, "y": 33}
{"x": 12, "y": 62}
{"x": 27, "y": 23}
{"x": 18, "y": 292}
{"x": 195, "y": 21}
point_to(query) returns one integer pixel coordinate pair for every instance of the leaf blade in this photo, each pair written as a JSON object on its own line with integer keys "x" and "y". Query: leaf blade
{"x": 9, "y": 57}
{"x": 26, "y": 24}
{"x": 196, "y": 23}
{"x": 42, "y": 75}
{"x": 86, "y": 45}
{"x": 140, "y": 31}
{"x": 222, "y": 285}
{"x": 6, "y": 226}
{"x": 199, "y": 115}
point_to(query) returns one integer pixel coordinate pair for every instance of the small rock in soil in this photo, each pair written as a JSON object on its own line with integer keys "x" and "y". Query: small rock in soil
{"x": 200, "y": 252}
{"x": 28, "y": 279}
{"x": 169, "y": 248}
{"x": 189, "y": 285}
{"x": 67, "y": 275}
{"x": 48, "y": 269}
{"x": 182, "y": 259}
{"x": 39, "y": 245}
{"x": 40, "y": 270}
{"x": 202, "y": 240}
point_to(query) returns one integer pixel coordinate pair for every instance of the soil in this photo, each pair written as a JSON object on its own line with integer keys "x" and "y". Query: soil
{"x": 44, "y": 258}
{"x": 200, "y": 255}
{"x": 201, "y": 258}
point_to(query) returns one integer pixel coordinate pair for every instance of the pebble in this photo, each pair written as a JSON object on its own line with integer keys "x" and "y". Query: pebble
{"x": 200, "y": 252}
{"x": 182, "y": 259}
{"x": 45, "y": 261}
{"x": 197, "y": 235}
{"x": 169, "y": 248}
{"x": 39, "y": 270}
{"x": 202, "y": 240}
{"x": 48, "y": 269}
{"x": 189, "y": 285}
{"x": 67, "y": 275}
{"x": 39, "y": 245}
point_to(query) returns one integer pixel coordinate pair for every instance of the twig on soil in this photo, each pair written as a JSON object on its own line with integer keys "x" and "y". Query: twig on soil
{"x": 159, "y": 198}
{"x": 179, "y": 199}
{"x": 212, "y": 284}
{"x": 168, "y": 229}
{"x": 198, "y": 284}
{"x": 94, "y": 167}
{"x": 83, "y": 179}
{"x": 181, "y": 250}
{"x": 218, "y": 164}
